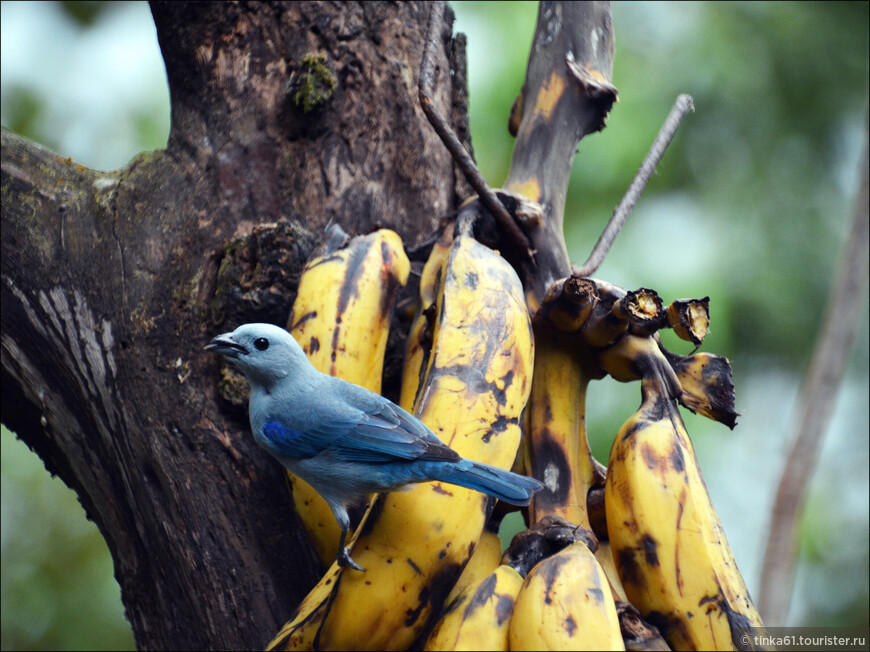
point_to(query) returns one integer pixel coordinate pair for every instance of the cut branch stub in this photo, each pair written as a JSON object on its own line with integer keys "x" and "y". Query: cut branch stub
{"x": 642, "y": 309}
{"x": 620, "y": 328}
{"x": 690, "y": 319}
{"x": 566, "y": 94}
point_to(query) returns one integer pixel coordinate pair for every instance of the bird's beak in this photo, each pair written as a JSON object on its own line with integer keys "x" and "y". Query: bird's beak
{"x": 226, "y": 345}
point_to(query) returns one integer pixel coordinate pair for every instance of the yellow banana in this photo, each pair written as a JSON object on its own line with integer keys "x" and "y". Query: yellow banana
{"x": 604, "y": 555}
{"x": 485, "y": 558}
{"x": 550, "y": 607}
{"x": 341, "y": 315}
{"x": 419, "y": 342}
{"x": 565, "y": 603}
{"x": 672, "y": 555}
{"x": 558, "y": 449}
{"x": 415, "y": 543}
{"x": 341, "y": 318}
{"x": 479, "y": 616}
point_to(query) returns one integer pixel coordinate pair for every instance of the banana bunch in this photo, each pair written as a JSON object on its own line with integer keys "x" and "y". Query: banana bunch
{"x": 469, "y": 370}
{"x": 668, "y": 547}
{"x": 341, "y": 318}
{"x": 483, "y": 374}
{"x": 587, "y": 328}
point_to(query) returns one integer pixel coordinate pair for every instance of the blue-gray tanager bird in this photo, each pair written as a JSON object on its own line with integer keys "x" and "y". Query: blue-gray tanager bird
{"x": 344, "y": 440}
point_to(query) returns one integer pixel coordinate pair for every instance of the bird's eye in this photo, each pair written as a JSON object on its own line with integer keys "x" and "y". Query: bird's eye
{"x": 261, "y": 344}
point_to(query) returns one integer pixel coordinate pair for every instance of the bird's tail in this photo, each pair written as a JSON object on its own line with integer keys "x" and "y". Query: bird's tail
{"x": 504, "y": 485}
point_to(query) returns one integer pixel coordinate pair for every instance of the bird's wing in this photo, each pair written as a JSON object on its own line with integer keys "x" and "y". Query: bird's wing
{"x": 295, "y": 443}
{"x": 379, "y": 432}
{"x": 389, "y": 430}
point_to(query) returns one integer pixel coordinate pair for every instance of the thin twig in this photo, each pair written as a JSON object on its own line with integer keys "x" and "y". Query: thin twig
{"x": 681, "y": 107}
{"x": 451, "y": 140}
{"x": 817, "y": 397}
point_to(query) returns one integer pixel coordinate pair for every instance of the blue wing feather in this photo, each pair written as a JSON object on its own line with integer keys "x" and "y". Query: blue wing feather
{"x": 382, "y": 433}
{"x": 290, "y": 442}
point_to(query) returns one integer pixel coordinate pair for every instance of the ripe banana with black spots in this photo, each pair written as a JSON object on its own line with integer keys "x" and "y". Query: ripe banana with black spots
{"x": 478, "y": 617}
{"x": 341, "y": 315}
{"x": 341, "y": 318}
{"x": 414, "y": 544}
{"x": 637, "y": 634}
{"x": 604, "y": 555}
{"x": 484, "y": 560}
{"x": 565, "y": 603}
{"x": 558, "y": 450}
{"x": 672, "y": 555}
{"x": 557, "y": 447}
{"x": 419, "y": 343}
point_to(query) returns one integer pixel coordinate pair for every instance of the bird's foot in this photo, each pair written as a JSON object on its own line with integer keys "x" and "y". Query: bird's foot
{"x": 344, "y": 559}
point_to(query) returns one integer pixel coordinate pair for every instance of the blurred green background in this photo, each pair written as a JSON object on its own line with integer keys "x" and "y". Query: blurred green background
{"x": 749, "y": 206}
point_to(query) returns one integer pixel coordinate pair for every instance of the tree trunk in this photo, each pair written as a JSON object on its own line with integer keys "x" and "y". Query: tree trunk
{"x": 285, "y": 116}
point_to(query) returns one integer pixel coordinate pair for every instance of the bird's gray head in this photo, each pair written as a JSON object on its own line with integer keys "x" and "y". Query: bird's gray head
{"x": 263, "y": 352}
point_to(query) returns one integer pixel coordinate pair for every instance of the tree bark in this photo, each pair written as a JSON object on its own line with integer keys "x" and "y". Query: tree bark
{"x": 285, "y": 116}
